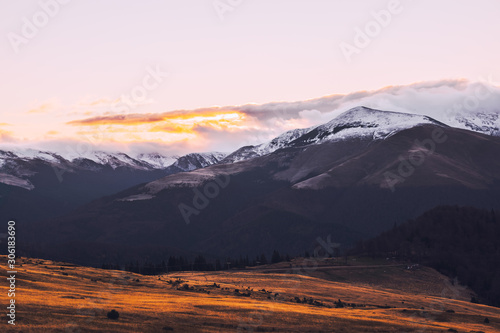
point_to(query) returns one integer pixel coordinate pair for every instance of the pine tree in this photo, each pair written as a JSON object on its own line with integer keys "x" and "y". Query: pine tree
{"x": 276, "y": 257}
{"x": 263, "y": 259}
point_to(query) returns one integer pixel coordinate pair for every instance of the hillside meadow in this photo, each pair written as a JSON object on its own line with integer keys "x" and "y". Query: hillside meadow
{"x": 286, "y": 297}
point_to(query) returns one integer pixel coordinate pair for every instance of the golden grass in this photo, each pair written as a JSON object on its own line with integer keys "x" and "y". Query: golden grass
{"x": 393, "y": 299}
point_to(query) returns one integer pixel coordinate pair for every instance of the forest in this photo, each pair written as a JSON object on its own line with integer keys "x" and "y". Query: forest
{"x": 460, "y": 242}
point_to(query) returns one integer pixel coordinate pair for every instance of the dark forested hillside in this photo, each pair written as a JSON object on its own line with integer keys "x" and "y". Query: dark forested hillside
{"x": 461, "y": 242}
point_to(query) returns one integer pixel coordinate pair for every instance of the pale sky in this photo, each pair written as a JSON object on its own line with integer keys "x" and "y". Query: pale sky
{"x": 84, "y": 58}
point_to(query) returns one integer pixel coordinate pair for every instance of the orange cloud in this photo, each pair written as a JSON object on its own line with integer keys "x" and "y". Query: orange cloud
{"x": 179, "y": 116}
{"x": 165, "y": 127}
{"x": 177, "y": 121}
{"x": 170, "y": 128}
{"x": 131, "y": 119}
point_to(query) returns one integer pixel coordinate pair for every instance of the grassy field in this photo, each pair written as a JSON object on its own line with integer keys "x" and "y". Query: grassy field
{"x": 376, "y": 297}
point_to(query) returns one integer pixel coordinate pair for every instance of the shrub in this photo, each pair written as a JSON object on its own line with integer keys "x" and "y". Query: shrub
{"x": 113, "y": 314}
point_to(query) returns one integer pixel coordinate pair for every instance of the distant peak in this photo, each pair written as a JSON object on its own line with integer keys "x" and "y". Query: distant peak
{"x": 375, "y": 117}
{"x": 360, "y": 110}
{"x": 364, "y": 122}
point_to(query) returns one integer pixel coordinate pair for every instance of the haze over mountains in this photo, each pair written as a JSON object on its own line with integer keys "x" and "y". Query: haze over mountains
{"x": 350, "y": 178}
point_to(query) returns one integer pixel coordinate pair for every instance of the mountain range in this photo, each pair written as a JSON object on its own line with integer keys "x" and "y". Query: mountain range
{"x": 350, "y": 179}
{"x": 35, "y": 185}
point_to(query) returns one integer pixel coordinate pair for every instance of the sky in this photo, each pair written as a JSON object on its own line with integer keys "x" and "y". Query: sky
{"x": 203, "y": 75}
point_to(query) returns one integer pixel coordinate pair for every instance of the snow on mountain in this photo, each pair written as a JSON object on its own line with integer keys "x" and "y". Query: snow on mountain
{"x": 482, "y": 122}
{"x": 29, "y": 154}
{"x": 198, "y": 160}
{"x": 356, "y": 123}
{"x": 142, "y": 161}
{"x": 146, "y": 161}
{"x": 118, "y": 160}
{"x": 363, "y": 122}
{"x": 281, "y": 141}
{"x": 157, "y": 160}
{"x": 15, "y": 181}
{"x": 18, "y": 165}
{"x": 359, "y": 122}
{"x": 4, "y": 156}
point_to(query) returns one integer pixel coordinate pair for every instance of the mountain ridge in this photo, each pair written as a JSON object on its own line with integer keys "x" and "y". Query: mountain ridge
{"x": 15, "y": 163}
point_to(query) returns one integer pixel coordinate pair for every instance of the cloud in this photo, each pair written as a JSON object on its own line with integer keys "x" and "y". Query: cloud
{"x": 110, "y": 106}
{"x": 227, "y": 128}
{"x": 127, "y": 119}
{"x": 436, "y": 99}
{"x": 178, "y": 125}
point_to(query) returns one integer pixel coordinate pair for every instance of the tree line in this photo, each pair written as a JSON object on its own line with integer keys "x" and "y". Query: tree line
{"x": 198, "y": 263}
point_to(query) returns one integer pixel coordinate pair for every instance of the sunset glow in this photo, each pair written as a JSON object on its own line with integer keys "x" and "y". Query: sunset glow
{"x": 166, "y": 128}
{"x": 156, "y": 77}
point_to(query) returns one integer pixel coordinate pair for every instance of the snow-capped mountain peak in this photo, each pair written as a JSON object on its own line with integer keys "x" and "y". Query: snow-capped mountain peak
{"x": 359, "y": 122}
{"x": 363, "y": 122}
